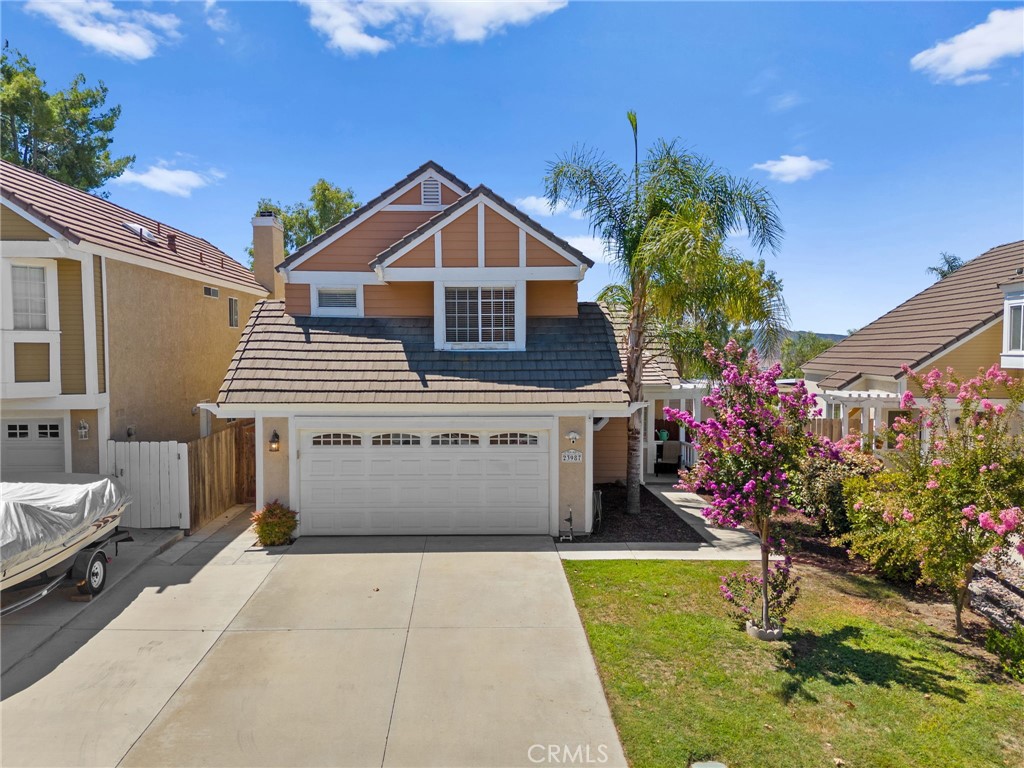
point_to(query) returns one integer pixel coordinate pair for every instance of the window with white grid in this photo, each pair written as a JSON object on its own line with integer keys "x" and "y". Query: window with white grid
{"x": 28, "y": 294}
{"x": 336, "y": 438}
{"x": 395, "y": 438}
{"x": 17, "y": 431}
{"x": 513, "y": 438}
{"x": 480, "y": 315}
{"x": 455, "y": 438}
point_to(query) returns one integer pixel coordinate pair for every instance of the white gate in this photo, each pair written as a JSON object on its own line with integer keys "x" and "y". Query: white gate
{"x": 156, "y": 475}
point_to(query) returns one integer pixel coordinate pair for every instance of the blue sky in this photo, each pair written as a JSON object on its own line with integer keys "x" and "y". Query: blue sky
{"x": 903, "y": 124}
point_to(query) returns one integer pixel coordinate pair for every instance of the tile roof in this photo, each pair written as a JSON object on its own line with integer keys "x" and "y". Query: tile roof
{"x": 430, "y": 165}
{"x": 924, "y": 325}
{"x": 82, "y": 217}
{"x": 462, "y": 202}
{"x": 288, "y": 360}
{"x": 659, "y": 368}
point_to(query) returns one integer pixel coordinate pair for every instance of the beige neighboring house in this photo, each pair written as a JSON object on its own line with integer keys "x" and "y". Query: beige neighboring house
{"x": 114, "y": 325}
{"x": 972, "y": 319}
{"x": 425, "y": 366}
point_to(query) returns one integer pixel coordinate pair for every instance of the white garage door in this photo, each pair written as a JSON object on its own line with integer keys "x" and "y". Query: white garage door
{"x": 421, "y": 482}
{"x": 32, "y": 445}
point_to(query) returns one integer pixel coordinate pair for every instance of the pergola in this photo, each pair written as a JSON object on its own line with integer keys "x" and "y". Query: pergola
{"x": 872, "y": 403}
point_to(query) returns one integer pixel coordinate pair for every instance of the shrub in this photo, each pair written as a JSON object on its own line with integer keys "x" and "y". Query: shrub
{"x": 742, "y": 591}
{"x": 274, "y": 524}
{"x": 1009, "y": 647}
{"x": 885, "y": 546}
{"x": 821, "y": 485}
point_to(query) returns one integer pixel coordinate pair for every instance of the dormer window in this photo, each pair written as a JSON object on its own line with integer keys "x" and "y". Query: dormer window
{"x": 1013, "y": 323}
{"x": 484, "y": 316}
{"x": 430, "y": 191}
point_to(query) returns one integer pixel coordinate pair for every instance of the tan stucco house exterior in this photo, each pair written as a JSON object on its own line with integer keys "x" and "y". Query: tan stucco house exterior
{"x": 425, "y": 366}
{"x": 114, "y": 326}
{"x": 971, "y": 319}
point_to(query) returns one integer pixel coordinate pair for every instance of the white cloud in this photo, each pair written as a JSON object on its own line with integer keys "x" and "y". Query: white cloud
{"x": 592, "y": 247}
{"x": 216, "y": 16}
{"x": 128, "y": 34}
{"x": 963, "y": 58}
{"x": 786, "y": 101}
{"x": 346, "y": 23}
{"x": 173, "y": 181}
{"x": 790, "y": 168}
{"x": 538, "y": 206}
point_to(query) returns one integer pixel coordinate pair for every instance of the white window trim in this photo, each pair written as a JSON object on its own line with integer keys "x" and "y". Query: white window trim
{"x": 238, "y": 312}
{"x": 50, "y": 336}
{"x": 52, "y": 307}
{"x": 440, "y": 330}
{"x": 318, "y": 311}
{"x": 1011, "y": 358}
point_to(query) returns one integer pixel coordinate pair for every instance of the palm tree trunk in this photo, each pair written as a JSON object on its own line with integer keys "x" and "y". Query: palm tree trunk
{"x": 634, "y": 461}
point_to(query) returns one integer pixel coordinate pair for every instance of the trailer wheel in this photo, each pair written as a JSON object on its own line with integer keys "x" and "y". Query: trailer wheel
{"x": 95, "y": 574}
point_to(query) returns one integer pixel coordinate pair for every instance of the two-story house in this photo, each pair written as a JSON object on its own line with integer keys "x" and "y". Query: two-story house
{"x": 425, "y": 367}
{"x": 971, "y": 319}
{"x": 113, "y": 326}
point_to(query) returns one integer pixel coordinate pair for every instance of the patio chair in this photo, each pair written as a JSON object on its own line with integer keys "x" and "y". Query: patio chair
{"x": 671, "y": 452}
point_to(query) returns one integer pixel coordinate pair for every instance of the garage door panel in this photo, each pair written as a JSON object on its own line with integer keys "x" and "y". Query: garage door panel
{"x": 424, "y": 489}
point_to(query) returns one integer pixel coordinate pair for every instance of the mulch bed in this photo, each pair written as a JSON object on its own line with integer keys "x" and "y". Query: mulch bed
{"x": 655, "y": 523}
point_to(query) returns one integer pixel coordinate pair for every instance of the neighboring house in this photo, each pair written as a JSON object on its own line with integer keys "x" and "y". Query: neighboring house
{"x": 425, "y": 367}
{"x": 972, "y": 319}
{"x": 114, "y": 326}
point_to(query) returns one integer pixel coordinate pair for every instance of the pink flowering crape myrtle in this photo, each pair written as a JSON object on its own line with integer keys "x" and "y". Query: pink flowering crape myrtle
{"x": 954, "y": 487}
{"x": 750, "y": 444}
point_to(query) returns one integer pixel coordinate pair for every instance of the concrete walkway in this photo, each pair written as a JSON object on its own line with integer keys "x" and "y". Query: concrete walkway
{"x": 399, "y": 651}
{"x": 718, "y": 544}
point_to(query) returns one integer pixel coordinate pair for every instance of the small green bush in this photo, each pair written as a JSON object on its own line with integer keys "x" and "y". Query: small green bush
{"x": 274, "y": 524}
{"x": 821, "y": 487}
{"x": 871, "y": 536}
{"x": 1009, "y": 647}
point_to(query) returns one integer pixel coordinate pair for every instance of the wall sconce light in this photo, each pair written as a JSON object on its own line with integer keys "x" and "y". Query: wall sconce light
{"x": 572, "y": 437}
{"x": 83, "y": 430}
{"x": 275, "y": 442}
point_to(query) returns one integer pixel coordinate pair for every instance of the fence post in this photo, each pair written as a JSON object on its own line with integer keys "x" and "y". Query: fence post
{"x": 184, "y": 508}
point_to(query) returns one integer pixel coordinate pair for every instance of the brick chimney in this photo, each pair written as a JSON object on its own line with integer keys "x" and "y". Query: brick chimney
{"x": 268, "y": 252}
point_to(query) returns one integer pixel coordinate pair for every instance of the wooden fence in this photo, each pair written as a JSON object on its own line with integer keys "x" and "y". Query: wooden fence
{"x": 156, "y": 475}
{"x": 830, "y": 428}
{"x": 186, "y": 485}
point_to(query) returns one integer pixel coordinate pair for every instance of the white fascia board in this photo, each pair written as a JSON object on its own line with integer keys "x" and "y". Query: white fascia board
{"x": 945, "y": 351}
{"x": 371, "y": 211}
{"x": 59, "y": 402}
{"x": 38, "y": 249}
{"x": 29, "y": 217}
{"x": 320, "y": 410}
{"x": 478, "y": 275}
{"x": 357, "y": 423}
{"x": 170, "y": 269}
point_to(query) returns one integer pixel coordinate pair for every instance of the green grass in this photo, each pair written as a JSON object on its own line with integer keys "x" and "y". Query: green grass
{"x": 858, "y": 677}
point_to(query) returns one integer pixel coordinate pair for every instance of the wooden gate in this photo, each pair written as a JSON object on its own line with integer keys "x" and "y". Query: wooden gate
{"x": 157, "y": 477}
{"x": 245, "y": 463}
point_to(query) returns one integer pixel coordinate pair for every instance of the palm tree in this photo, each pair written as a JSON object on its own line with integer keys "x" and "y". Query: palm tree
{"x": 664, "y": 223}
{"x": 948, "y": 264}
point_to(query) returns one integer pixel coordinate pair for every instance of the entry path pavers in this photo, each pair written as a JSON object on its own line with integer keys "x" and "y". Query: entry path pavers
{"x": 400, "y": 651}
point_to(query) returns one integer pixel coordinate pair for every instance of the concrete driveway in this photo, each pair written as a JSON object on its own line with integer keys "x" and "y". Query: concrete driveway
{"x": 417, "y": 651}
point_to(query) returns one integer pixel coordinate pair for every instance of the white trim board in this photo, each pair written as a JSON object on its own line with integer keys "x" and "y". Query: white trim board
{"x": 18, "y": 210}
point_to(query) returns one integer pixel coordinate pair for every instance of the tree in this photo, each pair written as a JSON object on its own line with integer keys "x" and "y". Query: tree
{"x": 65, "y": 135}
{"x": 328, "y": 204}
{"x": 955, "y": 488}
{"x": 754, "y": 440}
{"x": 797, "y": 350}
{"x": 948, "y": 264}
{"x": 665, "y": 223}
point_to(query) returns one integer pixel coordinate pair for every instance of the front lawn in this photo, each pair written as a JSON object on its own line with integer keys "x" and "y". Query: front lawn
{"x": 866, "y": 676}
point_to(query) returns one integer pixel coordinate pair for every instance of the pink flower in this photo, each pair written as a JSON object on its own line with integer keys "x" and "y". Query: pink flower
{"x": 999, "y": 410}
{"x": 908, "y": 400}
{"x": 888, "y": 517}
{"x": 857, "y": 506}
{"x": 970, "y": 512}
{"x": 937, "y": 462}
{"x": 983, "y": 469}
{"x": 931, "y": 485}
{"x": 908, "y": 515}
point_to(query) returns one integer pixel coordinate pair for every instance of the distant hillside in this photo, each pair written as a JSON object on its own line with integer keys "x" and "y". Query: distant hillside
{"x": 829, "y": 336}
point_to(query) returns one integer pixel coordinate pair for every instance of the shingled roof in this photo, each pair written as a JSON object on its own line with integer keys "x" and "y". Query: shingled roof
{"x": 284, "y": 359}
{"x": 462, "y": 202}
{"x": 659, "y": 368}
{"x": 430, "y": 165}
{"x": 925, "y": 325}
{"x": 81, "y": 217}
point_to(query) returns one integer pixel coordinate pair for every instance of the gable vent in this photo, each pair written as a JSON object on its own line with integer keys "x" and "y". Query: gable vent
{"x": 431, "y": 192}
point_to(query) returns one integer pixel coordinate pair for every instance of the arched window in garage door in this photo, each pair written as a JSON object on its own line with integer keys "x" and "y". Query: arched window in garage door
{"x": 455, "y": 438}
{"x": 337, "y": 438}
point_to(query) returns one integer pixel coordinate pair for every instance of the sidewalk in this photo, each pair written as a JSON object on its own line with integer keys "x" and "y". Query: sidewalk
{"x": 719, "y": 543}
